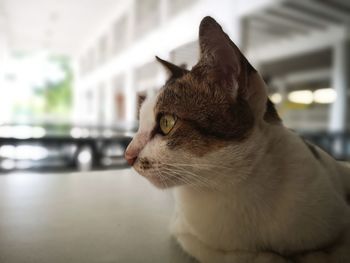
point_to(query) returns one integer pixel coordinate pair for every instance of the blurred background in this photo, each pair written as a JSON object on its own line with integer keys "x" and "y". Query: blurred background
{"x": 74, "y": 73}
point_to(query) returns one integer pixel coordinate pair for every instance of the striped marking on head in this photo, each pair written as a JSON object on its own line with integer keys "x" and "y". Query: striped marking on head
{"x": 143, "y": 135}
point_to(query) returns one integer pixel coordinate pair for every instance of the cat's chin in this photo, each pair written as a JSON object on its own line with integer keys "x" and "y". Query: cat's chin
{"x": 159, "y": 178}
{"x": 159, "y": 182}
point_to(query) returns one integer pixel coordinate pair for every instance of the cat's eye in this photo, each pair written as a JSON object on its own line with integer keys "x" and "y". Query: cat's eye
{"x": 166, "y": 123}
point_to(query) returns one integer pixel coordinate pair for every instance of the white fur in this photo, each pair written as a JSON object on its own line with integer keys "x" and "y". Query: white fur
{"x": 253, "y": 201}
{"x": 143, "y": 145}
{"x": 147, "y": 123}
{"x": 288, "y": 202}
{"x": 147, "y": 118}
{"x": 264, "y": 199}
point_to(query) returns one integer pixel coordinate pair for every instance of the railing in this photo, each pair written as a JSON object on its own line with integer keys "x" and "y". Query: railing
{"x": 62, "y": 147}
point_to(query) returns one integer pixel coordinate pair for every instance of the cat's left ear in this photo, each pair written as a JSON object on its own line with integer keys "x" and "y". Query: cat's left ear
{"x": 226, "y": 65}
{"x": 217, "y": 50}
{"x": 172, "y": 70}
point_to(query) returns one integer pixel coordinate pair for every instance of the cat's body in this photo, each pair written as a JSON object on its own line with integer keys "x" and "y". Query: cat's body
{"x": 293, "y": 204}
{"x": 247, "y": 189}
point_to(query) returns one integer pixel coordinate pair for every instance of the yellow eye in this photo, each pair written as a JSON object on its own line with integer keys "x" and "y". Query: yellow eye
{"x": 166, "y": 123}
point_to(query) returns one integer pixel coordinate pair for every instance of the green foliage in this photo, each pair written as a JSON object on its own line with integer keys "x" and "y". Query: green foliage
{"x": 46, "y": 81}
{"x": 58, "y": 96}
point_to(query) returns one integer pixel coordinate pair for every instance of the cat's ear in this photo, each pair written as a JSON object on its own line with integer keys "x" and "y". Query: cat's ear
{"x": 225, "y": 64}
{"x": 172, "y": 70}
{"x": 216, "y": 49}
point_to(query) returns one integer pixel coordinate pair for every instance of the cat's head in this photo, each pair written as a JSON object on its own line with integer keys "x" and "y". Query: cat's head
{"x": 202, "y": 121}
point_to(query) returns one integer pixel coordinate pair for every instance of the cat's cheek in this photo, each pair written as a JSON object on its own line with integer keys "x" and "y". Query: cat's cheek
{"x": 155, "y": 151}
{"x": 154, "y": 161}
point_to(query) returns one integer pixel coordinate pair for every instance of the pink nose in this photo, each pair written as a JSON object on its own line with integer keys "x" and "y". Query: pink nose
{"x": 130, "y": 156}
{"x": 135, "y": 147}
{"x": 131, "y": 161}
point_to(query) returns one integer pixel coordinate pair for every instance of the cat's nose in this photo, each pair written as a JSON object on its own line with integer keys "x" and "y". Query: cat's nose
{"x": 131, "y": 160}
{"x": 130, "y": 156}
{"x": 135, "y": 147}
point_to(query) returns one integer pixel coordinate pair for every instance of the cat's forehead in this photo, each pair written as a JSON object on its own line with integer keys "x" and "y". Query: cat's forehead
{"x": 147, "y": 114}
{"x": 209, "y": 106}
{"x": 190, "y": 94}
{"x": 175, "y": 94}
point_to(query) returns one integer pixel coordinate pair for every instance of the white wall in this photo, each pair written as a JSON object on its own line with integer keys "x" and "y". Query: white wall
{"x": 169, "y": 34}
{"x": 173, "y": 32}
{"x": 5, "y": 109}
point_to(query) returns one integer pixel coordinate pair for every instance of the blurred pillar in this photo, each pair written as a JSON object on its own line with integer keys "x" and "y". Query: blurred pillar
{"x": 130, "y": 92}
{"x": 281, "y": 85}
{"x": 340, "y": 82}
{"x": 110, "y": 107}
{"x": 3, "y": 46}
{"x": 164, "y": 15}
{"x": 101, "y": 116}
{"x": 4, "y": 55}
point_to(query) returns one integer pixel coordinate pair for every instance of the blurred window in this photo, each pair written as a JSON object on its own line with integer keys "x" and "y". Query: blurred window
{"x": 119, "y": 34}
{"x": 119, "y": 98}
{"x": 186, "y": 54}
{"x": 146, "y": 76}
{"x": 120, "y": 105}
{"x": 86, "y": 62}
{"x": 92, "y": 61}
{"x": 82, "y": 66}
{"x": 301, "y": 89}
{"x": 88, "y": 102}
{"x": 147, "y": 16}
{"x": 101, "y": 102}
{"x": 38, "y": 87}
{"x": 102, "y": 49}
{"x": 305, "y": 108}
{"x": 176, "y": 6}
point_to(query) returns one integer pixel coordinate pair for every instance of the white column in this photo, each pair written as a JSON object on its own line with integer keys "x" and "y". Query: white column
{"x": 5, "y": 101}
{"x": 340, "y": 82}
{"x": 163, "y": 9}
{"x": 130, "y": 95}
{"x": 281, "y": 85}
{"x": 129, "y": 79}
{"x": 131, "y": 13}
{"x": 109, "y": 106}
{"x": 76, "y": 98}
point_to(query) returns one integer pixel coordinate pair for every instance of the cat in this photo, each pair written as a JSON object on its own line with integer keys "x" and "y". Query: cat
{"x": 247, "y": 189}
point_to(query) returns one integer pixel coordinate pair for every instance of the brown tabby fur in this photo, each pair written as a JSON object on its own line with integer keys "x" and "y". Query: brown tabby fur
{"x": 205, "y": 101}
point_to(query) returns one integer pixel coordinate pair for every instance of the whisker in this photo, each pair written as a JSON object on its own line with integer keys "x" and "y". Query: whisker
{"x": 209, "y": 182}
{"x": 202, "y": 181}
{"x": 179, "y": 177}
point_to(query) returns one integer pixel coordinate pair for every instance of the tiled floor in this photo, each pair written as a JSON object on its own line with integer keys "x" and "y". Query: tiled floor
{"x": 114, "y": 216}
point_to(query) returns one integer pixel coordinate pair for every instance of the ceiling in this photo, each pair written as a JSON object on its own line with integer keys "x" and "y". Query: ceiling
{"x": 58, "y": 25}
{"x": 64, "y": 25}
{"x": 290, "y": 19}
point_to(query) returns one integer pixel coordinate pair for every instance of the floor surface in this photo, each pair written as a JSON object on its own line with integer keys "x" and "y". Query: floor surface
{"x": 114, "y": 216}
